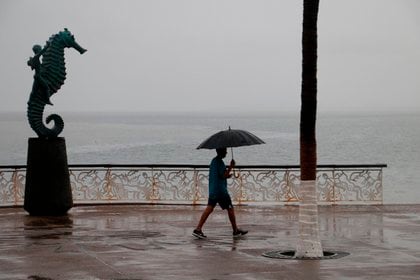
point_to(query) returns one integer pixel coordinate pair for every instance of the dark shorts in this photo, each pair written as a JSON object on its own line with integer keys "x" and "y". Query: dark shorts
{"x": 224, "y": 201}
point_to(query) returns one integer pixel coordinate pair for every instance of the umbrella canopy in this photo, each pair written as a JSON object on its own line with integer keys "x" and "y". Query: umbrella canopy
{"x": 230, "y": 138}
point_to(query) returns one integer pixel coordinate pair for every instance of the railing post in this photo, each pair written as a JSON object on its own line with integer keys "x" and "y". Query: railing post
{"x": 154, "y": 189}
{"x": 15, "y": 187}
{"x": 195, "y": 186}
{"x": 381, "y": 185}
{"x": 288, "y": 187}
{"x": 334, "y": 201}
{"x": 240, "y": 187}
{"x": 108, "y": 191}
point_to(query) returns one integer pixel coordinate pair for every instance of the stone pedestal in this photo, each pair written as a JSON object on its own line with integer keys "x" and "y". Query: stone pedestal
{"x": 47, "y": 188}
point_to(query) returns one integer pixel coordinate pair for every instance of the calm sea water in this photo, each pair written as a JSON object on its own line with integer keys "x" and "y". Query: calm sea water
{"x": 393, "y": 139}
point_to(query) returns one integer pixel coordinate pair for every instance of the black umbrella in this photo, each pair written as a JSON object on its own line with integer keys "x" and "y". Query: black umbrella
{"x": 230, "y": 138}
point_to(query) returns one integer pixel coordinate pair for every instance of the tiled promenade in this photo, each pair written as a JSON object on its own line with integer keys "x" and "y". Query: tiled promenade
{"x": 155, "y": 242}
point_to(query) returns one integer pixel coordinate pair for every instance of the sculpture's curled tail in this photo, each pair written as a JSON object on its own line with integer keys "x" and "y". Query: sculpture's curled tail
{"x": 35, "y": 117}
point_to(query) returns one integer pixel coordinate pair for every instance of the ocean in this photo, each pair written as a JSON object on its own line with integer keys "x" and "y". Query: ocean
{"x": 156, "y": 138}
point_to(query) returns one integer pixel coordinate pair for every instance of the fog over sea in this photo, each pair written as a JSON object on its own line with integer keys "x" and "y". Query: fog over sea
{"x": 172, "y": 138}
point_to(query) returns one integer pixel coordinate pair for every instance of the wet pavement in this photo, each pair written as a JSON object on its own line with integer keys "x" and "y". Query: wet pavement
{"x": 155, "y": 242}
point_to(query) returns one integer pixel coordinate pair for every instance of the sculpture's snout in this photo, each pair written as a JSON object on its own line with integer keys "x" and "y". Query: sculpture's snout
{"x": 79, "y": 48}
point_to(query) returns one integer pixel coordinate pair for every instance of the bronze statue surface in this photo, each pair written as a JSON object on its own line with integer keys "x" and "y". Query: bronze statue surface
{"x": 50, "y": 74}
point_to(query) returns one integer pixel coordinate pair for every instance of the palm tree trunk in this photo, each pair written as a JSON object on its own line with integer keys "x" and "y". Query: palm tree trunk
{"x": 309, "y": 244}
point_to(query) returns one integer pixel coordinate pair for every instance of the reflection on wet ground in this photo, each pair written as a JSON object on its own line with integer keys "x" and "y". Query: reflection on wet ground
{"x": 155, "y": 242}
{"x": 47, "y": 227}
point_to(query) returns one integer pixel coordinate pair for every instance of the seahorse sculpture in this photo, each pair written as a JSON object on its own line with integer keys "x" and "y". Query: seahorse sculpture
{"x": 48, "y": 79}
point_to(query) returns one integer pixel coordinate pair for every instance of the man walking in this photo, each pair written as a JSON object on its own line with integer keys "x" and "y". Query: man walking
{"x": 218, "y": 194}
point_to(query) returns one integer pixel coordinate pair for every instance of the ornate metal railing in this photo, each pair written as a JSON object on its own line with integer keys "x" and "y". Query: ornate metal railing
{"x": 187, "y": 184}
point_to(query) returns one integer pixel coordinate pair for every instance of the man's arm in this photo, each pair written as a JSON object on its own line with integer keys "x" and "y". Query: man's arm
{"x": 229, "y": 169}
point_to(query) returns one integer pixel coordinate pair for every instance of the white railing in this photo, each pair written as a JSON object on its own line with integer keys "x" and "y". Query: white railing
{"x": 187, "y": 184}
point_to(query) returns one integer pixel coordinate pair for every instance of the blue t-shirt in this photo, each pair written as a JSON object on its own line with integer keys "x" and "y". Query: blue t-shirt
{"x": 217, "y": 180}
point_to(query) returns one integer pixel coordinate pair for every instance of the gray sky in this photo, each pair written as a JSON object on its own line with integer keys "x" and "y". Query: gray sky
{"x": 193, "y": 55}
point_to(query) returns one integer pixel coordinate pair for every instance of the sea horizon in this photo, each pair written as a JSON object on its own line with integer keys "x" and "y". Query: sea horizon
{"x": 152, "y": 138}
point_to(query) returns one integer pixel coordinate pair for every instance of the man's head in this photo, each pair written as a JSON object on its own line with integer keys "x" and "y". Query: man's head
{"x": 221, "y": 152}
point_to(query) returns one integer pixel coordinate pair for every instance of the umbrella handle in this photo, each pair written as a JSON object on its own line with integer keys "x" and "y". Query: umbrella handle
{"x": 233, "y": 169}
{"x": 231, "y": 152}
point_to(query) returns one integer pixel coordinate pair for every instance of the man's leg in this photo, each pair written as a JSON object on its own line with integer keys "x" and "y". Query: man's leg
{"x": 232, "y": 219}
{"x": 204, "y": 216}
{"x": 236, "y": 231}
